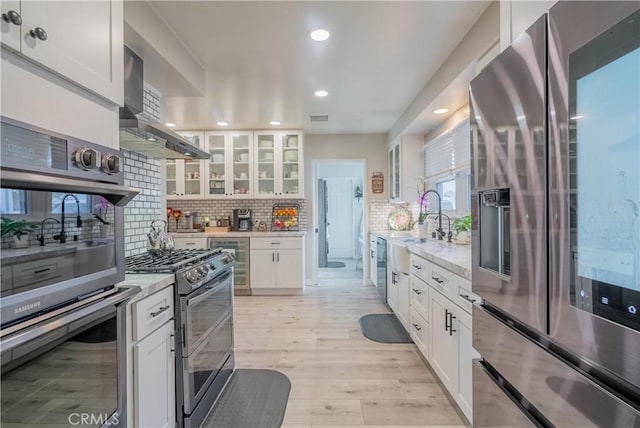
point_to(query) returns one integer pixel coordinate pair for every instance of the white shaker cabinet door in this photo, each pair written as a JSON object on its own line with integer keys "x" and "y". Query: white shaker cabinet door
{"x": 10, "y": 30}
{"x": 155, "y": 379}
{"x": 466, "y": 354}
{"x": 80, "y": 40}
{"x": 444, "y": 350}
{"x": 263, "y": 269}
{"x": 290, "y": 269}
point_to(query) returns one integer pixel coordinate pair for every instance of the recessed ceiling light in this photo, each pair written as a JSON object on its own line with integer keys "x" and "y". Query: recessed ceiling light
{"x": 275, "y": 122}
{"x": 187, "y": 154}
{"x": 579, "y": 116}
{"x": 319, "y": 35}
{"x": 222, "y": 123}
{"x": 170, "y": 125}
{"x": 321, "y": 93}
{"x": 441, "y": 111}
{"x": 151, "y": 139}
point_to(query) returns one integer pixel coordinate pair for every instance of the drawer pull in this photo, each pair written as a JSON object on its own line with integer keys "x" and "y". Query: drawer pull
{"x": 417, "y": 267}
{"x": 436, "y": 279}
{"x": 275, "y": 243}
{"x": 159, "y": 311}
{"x": 417, "y": 291}
{"x": 41, "y": 270}
{"x": 417, "y": 327}
{"x": 467, "y": 298}
{"x": 189, "y": 243}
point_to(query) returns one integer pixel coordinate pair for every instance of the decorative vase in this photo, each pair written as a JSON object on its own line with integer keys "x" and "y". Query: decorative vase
{"x": 103, "y": 230}
{"x": 20, "y": 243}
{"x": 422, "y": 229}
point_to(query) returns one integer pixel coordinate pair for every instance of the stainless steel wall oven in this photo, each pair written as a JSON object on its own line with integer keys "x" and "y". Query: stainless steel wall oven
{"x": 62, "y": 326}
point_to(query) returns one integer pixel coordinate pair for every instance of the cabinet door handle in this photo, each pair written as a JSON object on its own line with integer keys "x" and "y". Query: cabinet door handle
{"x": 273, "y": 257}
{"x": 278, "y": 257}
{"x": 371, "y": 253}
{"x": 451, "y": 329}
{"x": 417, "y": 327}
{"x": 41, "y": 270}
{"x": 436, "y": 279}
{"x": 13, "y": 17}
{"x": 393, "y": 277}
{"x": 159, "y": 311}
{"x": 38, "y": 33}
{"x": 417, "y": 267}
{"x": 446, "y": 320}
{"x": 417, "y": 291}
{"x": 467, "y": 298}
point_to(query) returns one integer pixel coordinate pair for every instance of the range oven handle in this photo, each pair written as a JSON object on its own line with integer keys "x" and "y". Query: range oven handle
{"x": 209, "y": 289}
{"x": 28, "y": 334}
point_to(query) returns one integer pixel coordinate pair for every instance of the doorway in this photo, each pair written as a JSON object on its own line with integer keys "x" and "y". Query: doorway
{"x": 339, "y": 212}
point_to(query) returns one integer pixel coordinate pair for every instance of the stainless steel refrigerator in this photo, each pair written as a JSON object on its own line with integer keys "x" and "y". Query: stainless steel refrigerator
{"x": 556, "y": 233}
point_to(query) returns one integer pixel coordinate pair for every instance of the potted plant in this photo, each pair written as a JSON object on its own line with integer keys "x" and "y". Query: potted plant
{"x": 17, "y": 229}
{"x": 462, "y": 228}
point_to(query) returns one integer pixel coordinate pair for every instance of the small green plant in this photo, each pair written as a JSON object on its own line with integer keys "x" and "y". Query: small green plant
{"x": 10, "y": 227}
{"x": 462, "y": 224}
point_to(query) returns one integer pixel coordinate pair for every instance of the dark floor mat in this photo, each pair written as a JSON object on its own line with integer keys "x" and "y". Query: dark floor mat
{"x": 251, "y": 399}
{"x": 384, "y": 328}
{"x": 335, "y": 264}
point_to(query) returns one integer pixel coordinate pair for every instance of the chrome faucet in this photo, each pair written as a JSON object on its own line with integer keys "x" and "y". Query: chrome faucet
{"x": 41, "y": 237}
{"x": 62, "y": 236}
{"x": 439, "y": 231}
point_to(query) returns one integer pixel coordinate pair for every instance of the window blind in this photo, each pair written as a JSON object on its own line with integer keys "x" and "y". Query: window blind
{"x": 448, "y": 153}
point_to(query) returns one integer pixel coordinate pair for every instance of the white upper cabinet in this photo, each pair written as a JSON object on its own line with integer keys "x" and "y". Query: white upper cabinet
{"x": 81, "y": 41}
{"x": 406, "y": 165}
{"x": 278, "y": 168}
{"x": 229, "y": 171}
{"x": 184, "y": 176}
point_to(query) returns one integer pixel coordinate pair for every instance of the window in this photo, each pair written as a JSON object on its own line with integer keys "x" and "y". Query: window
{"x": 13, "y": 201}
{"x": 56, "y": 203}
{"x": 448, "y": 169}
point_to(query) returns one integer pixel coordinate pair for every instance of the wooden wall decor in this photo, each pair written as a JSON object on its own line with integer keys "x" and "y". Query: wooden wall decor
{"x": 377, "y": 182}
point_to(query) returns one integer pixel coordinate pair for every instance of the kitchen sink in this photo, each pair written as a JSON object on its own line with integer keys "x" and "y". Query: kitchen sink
{"x": 399, "y": 253}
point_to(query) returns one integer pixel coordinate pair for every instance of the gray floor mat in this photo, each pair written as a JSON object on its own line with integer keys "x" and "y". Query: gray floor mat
{"x": 251, "y": 399}
{"x": 384, "y": 328}
{"x": 335, "y": 264}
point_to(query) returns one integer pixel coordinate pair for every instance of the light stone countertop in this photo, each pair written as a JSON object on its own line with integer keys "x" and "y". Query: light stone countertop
{"x": 238, "y": 234}
{"x": 149, "y": 283}
{"x": 451, "y": 256}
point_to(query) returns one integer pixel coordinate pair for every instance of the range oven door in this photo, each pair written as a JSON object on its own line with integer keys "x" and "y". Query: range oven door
{"x": 208, "y": 337}
{"x": 594, "y": 82}
{"x": 68, "y": 370}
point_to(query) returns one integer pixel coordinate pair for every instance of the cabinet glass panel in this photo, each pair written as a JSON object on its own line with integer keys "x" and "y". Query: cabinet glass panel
{"x": 241, "y": 164}
{"x": 171, "y": 177}
{"x": 192, "y": 171}
{"x": 396, "y": 170}
{"x": 391, "y": 191}
{"x": 217, "y": 170}
{"x": 290, "y": 159}
{"x": 266, "y": 164}
{"x": 604, "y": 110}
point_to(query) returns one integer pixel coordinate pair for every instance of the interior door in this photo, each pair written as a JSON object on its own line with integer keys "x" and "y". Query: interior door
{"x": 340, "y": 216}
{"x": 595, "y": 183}
{"x": 323, "y": 238}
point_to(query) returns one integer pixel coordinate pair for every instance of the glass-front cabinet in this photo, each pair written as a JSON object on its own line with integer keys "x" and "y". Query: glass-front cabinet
{"x": 279, "y": 167}
{"x": 394, "y": 172}
{"x": 184, "y": 175}
{"x": 229, "y": 172}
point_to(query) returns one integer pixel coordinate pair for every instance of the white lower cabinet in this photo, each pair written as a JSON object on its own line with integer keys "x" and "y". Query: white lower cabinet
{"x": 398, "y": 295}
{"x": 151, "y": 361}
{"x": 448, "y": 345}
{"x": 154, "y": 379}
{"x": 443, "y": 358}
{"x": 392, "y": 290}
{"x": 277, "y": 265}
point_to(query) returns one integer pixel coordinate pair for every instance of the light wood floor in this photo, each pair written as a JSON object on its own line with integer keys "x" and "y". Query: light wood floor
{"x": 338, "y": 377}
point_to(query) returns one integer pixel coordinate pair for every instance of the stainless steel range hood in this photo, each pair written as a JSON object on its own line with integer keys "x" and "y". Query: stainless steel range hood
{"x": 146, "y": 136}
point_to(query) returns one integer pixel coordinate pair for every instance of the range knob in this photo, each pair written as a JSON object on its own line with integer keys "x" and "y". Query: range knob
{"x": 203, "y": 270}
{"x": 192, "y": 276}
{"x": 87, "y": 158}
{"x": 111, "y": 163}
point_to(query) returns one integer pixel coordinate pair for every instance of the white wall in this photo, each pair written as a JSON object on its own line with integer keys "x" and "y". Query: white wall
{"x": 518, "y": 15}
{"x": 372, "y": 148}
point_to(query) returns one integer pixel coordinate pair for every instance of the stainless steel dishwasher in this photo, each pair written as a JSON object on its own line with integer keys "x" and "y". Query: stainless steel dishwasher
{"x": 239, "y": 247}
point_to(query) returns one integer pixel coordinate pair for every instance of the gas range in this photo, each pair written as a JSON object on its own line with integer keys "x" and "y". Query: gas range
{"x": 193, "y": 268}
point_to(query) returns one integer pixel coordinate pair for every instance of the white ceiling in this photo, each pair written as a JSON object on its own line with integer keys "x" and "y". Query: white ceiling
{"x": 262, "y": 66}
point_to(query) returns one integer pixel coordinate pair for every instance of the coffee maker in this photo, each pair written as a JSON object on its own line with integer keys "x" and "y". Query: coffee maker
{"x": 242, "y": 220}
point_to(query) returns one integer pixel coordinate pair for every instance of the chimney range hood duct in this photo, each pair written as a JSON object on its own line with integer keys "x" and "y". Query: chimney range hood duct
{"x": 145, "y": 136}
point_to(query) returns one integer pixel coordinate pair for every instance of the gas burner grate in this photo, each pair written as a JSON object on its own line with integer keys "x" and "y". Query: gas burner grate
{"x": 167, "y": 262}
